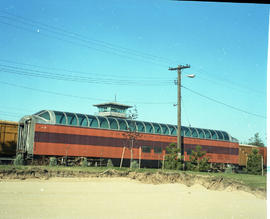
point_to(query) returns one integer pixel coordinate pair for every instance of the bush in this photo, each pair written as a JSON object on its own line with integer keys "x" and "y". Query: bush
{"x": 204, "y": 165}
{"x": 53, "y": 161}
{"x": 109, "y": 163}
{"x": 229, "y": 169}
{"x": 254, "y": 165}
{"x": 198, "y": 161}
{"x": 172, "y": 161}
{"x": 134, "y": 164}
{"x": 84, "y": 162}
{"x": 18, "y": 160}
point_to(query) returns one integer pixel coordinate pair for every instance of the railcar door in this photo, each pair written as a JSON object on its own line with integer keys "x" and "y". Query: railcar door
{"x": 23, "y": 136}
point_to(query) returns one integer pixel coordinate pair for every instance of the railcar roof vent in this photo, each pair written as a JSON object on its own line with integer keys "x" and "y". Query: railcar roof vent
{"x": 112, "y": 109}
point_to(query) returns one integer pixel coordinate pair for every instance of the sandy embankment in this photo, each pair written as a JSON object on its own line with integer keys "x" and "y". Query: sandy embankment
{"x": 121, "y": 198}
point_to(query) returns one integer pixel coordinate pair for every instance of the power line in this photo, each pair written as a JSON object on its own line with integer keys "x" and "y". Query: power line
{"x": 9, "y": 113}
{"x": 227, "y": 105}
{"x": 226, "y": 82}
{"x": 6, "y": 116}
{"x": 81, "y": 37}
{"x": 185, "y": 112}
{"x": 86, "y": 41}
{"x": 109, "y": 48}
{"x": 82, "y": 79}
{"x": 78, "y": 97}
{"x": 105, "y": 45}
{"x": 75, "y": 71}
{"x": 108, "y": 79}
{"x": 126, "y": 56}
{"x": 51, "y": 92}
{"x": 98, "y": 99}
{"x": 15, "y": 108}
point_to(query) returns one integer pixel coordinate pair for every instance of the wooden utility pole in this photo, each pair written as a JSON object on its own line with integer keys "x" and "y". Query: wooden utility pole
{"x": 131, "y": 151}
{"x": 140, "y": 156}
{"x": 262, "y": 165}
{"x": 122, "y": 157}
{"x": 163, "y": 162}
{"x": 179, "y": 68}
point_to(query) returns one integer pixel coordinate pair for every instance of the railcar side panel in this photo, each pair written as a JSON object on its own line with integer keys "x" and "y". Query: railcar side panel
{"x": 217, "y": 151}
{"x": 8, "y": 138}
{"x": 59, "y": 140}
{"x": 245, "y": 150}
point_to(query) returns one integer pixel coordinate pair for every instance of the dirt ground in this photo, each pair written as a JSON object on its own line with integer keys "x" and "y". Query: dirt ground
{"x": 122, "y": 198}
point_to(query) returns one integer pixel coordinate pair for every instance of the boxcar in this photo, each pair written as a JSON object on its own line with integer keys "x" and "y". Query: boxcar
{"x": 8, "y": 138}
{"x": 245, "y": 150}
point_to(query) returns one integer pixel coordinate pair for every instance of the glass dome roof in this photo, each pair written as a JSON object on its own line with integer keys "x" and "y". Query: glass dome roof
{"x": 91, "y": 121}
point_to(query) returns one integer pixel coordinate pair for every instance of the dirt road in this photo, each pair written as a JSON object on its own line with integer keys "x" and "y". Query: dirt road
{"x": 121, "y": 198}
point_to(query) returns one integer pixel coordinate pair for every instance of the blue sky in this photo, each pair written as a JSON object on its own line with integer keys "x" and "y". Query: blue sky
{"x": 130, "y": 45}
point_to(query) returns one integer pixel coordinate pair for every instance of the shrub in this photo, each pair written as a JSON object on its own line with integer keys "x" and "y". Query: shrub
{"x": 134, "y": 164}
{"x": 198, "y": 161}
{"x": 109, "y": 163}
{"x": 53, "y": 161}
{"x": 204, "y": 165}
{"x": 229, "y": 169}
{"x": 84, "y": 162}
{"x": 254, "y": 162}
{"x": 172, "y": 161}
{"x": 18, "y": 160}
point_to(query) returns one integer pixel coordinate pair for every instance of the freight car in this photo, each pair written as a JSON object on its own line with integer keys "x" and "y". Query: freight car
{"x": 245, "y": 150}
{"x": 8, "y": 140}
{"x": 64, "y": 134}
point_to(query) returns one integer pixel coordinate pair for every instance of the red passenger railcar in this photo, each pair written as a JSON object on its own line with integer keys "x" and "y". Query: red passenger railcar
{"x": 62, "y": 134}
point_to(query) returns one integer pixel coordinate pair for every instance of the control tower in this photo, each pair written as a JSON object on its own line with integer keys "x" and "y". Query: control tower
{"x": 112, "y": 109}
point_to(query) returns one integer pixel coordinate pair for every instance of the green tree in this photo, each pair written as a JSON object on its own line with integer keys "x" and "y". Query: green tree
{"x": 254, "y": 162}
{"x": 172, "y": 161}
{"x": 134, "y": 164}
{"x": 53, "y": 161}
{"x": 197, "y": 160}
{"x": 109, "y": 163}
{"x": 84, "y": 162}
{"x": 18, "y": 160}
{"x": 256, "y": 140}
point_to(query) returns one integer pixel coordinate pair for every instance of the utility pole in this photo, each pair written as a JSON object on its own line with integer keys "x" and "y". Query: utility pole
{"x": 179, "y": 68}
{"x": 262, "y": 165}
